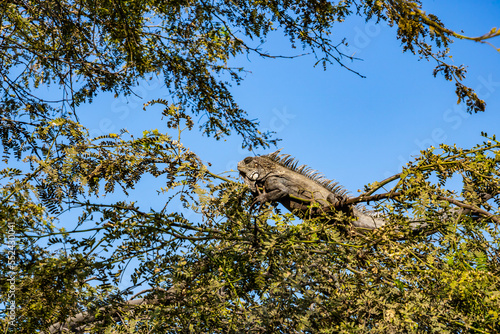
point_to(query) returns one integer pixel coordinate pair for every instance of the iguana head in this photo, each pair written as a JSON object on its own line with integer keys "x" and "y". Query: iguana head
{"x": 250, "y": 168}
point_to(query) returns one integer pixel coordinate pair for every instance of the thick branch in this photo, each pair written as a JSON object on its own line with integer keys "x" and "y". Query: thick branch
{"x": 81, "y": 320}
{"x": 365, "y": 198}
{"x": 471, "y": 207}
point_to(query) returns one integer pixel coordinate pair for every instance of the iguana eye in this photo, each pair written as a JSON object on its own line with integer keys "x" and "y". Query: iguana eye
{"x": 255, "y": 165}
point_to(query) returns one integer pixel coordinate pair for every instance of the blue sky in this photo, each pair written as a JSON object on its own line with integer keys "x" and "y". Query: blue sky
{"x": 354, "y": 130}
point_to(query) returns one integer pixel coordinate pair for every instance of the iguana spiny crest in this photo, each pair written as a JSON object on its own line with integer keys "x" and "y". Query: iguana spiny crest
{"x": 256, "y": 169}
{"x": 278, "y": 178}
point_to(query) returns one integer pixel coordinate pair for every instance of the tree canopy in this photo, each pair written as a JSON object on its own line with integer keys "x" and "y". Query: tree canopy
{"x": 68, "y": 249}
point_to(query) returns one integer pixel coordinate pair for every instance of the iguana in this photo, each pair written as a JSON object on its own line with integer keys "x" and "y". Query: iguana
{"x": 277, "y": 178}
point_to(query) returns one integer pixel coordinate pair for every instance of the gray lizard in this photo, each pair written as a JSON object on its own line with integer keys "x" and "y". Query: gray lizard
{"x": 277, "y": 178}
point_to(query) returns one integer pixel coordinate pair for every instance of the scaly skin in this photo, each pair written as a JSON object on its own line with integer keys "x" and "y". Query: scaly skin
{"x": 276, "y": 178}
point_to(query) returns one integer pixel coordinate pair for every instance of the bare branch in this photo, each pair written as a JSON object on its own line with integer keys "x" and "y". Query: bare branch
{"x": 81, "y": 320}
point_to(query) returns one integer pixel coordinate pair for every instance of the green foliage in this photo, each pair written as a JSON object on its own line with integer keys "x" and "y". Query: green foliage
{"x": 205, "y": 263}
{"x": 230, "y": 271}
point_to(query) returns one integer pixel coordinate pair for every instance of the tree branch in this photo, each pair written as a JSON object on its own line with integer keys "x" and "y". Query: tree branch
{"x": 471, "y": 207}
{"x": 365, "y": 198}
{"x": 494, "y": 32}
{"x": 78, "y": 322}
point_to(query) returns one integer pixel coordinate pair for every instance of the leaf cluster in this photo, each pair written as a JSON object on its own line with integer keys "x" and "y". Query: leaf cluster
{"x": 92, "y": 254}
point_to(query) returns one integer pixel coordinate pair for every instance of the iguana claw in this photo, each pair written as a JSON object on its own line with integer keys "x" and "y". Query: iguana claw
{"x": 259, "y": 199}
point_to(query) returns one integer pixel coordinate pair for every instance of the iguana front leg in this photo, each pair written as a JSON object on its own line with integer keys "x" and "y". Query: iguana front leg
{"x": 278, "y": 191}
{"x": 272, "y": 196}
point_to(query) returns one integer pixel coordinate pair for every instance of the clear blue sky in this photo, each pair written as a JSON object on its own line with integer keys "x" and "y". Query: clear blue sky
{"x": 351, "y": 129}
